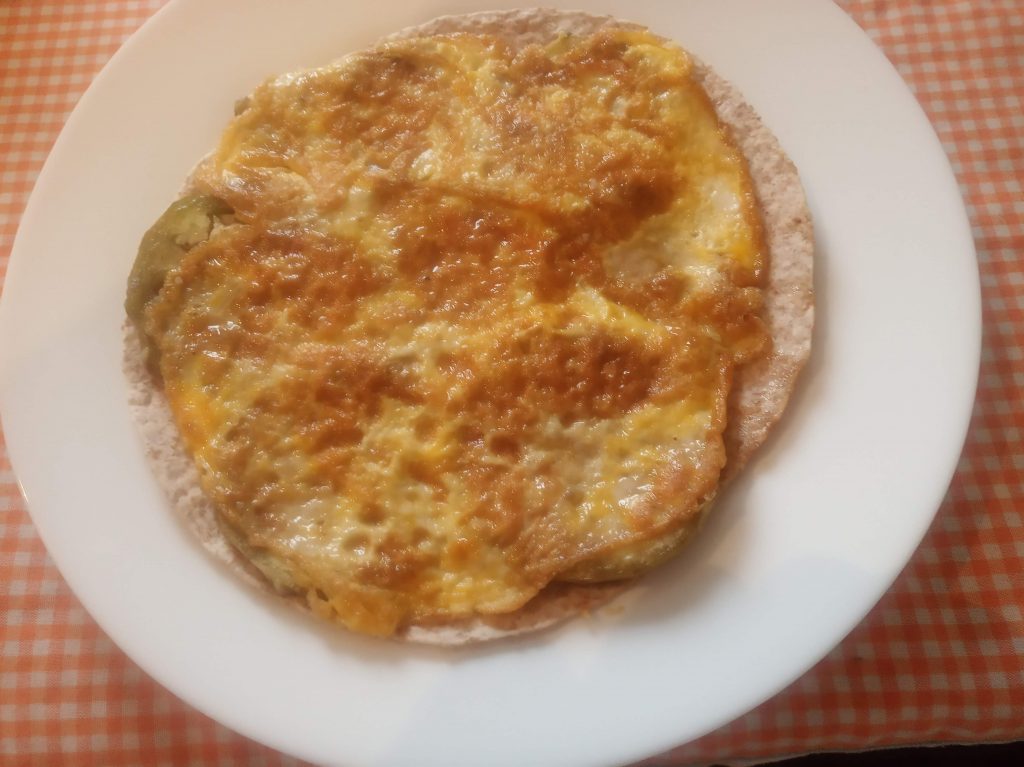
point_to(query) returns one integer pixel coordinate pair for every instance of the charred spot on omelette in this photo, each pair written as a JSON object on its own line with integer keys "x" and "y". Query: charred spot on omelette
{"x": 471, "y": 326}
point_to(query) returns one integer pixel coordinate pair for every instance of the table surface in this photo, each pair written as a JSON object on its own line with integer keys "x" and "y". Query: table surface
{"x": 940, "y": 659}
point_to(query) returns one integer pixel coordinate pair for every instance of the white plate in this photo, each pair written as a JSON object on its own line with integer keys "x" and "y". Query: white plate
{"x": 795, "y": 555}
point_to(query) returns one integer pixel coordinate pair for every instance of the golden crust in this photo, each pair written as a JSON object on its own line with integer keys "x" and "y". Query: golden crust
{"x": 762, "y": 389}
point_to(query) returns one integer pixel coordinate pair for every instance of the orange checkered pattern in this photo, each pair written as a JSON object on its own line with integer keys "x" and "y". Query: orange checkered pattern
{"x": 940, "y": 659}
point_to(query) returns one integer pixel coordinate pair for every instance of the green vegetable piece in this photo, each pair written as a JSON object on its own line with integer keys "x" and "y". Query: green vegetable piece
{"x": 185, "y": 224}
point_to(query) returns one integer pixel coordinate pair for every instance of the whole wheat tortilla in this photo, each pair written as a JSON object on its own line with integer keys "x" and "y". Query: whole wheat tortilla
{"x": 761, "y": 389}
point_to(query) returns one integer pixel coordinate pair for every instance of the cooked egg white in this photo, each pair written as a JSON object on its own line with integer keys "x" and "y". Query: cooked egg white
{"x": 473, "y": 324}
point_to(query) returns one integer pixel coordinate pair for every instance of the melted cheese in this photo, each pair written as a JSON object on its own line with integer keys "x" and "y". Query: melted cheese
{"x": 474, "y": 322}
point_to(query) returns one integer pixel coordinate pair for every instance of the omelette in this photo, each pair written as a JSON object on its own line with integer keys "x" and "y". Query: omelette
{"x": 459, "y": 334}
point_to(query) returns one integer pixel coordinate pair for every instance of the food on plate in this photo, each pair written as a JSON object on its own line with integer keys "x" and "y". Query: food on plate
{"x": 459, "y": 335}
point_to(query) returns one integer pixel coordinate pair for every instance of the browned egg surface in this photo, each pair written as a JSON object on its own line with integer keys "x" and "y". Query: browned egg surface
{"x": 473, "y": 322}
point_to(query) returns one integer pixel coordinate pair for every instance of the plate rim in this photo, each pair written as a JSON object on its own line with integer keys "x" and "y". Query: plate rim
{"x": 14, "y": 453}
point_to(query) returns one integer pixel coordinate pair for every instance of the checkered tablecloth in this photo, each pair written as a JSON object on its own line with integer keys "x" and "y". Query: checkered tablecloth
{"x": 940, "y": 659}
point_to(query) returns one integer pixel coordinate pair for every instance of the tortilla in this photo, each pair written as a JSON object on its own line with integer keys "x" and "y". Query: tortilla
{"x": 760, "y": 393}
